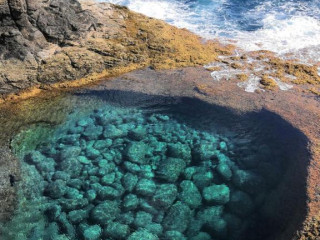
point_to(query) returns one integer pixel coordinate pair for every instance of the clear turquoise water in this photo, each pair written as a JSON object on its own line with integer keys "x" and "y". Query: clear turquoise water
{"x": 132, "y": 166}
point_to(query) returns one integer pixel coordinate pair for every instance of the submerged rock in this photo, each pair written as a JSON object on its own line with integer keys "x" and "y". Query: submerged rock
{"x": 217, "y": 194}
{"x": 171, "y": 168}
{"x": 177, "y": 218}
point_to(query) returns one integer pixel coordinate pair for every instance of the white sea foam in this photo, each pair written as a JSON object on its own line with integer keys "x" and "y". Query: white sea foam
{"x": 286, "y": 26}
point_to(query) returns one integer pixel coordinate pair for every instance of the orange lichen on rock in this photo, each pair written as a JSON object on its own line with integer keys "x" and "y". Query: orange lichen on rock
{"x": 268, "y": 82}
{"x": 242, "y": 77}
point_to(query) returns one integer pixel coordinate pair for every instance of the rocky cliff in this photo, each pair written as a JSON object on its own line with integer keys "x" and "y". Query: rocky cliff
{"x": 51, "y": 41}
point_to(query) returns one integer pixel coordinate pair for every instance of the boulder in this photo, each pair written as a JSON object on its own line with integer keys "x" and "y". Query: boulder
{"x": 177, "y": 218}
{"x": 105, "y": 212}
{"x": 190, "y": 194}
{"x": 170, "y": 169}
{"x": 135, "y": 152}
{"x": 116, "y": 230}
{"x": 216, "y": 194}
{"x": 145, "y": 187}
{"x": 165, "y": 195}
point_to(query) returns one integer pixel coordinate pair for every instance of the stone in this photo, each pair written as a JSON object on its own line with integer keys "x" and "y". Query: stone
{"x": 216, "y": 194}
{"x": 154, "y": 228}
{"x": 61, "y": 175}
{"x": 56, "y": 189}
{"x": 73, "y": 193}
{"x": 92, "y": 153}
{"x": 165, "y": 195}
{"x": 105, "y": 212}
{"x": 46, "y": 166}
{"x": 111, "y": 132}
{"x": 117, "y": 230}
{"x": 145, "y": 205}
{"x": 132, "y": 167}
{"x": 174, "y": 235}
{"x": 145, "y": 187}
{"x": 224, "y": 171}
{"x": 92, "y": 132}
{"x": 201, "y": 236}
{"x": 135, "y": 152}
{"x": 170, "y": 169}
{"x": 189, "y": 172}
{"x": 204, "y": 151}
{"x": 137, "y": 134}
{"x": 107, "y": 193}
{"x": 102, "y": 144}
{"x": 190, "y": 194}
{"x": 209, "y": 214}
{"x": 179, "y": 150}
{"x": 129, "y": 181}
{"x": 248, "y": 181}
{"x": 34, "y": 157}
{"x": 223, "y": 146}
{"x": 73, "y": 204}
{"x": 71, "y": 166}
{"x": 77, "y": 216}
{"x": 202, "y": 179}
{"x": 65, "y": 226}
{"x": 130, "y": 202}
{"x": 53, "y": 212}
{"x": 92, "y": 233}
{"x": 177, "y": 218}
{"x": 240, "y": 204}
{"x": 142, "y": 219}
{"x": 142, "y": 234}
{"x": 126, "y": 218}
{"x": 108, "y": 179}
{"x": 69, "y": 152}
{"x": 91, "y": 195}
{"x": 84, "y": 160}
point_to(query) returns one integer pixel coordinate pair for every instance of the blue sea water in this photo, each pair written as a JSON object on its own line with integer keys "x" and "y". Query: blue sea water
{"x": 282, "y": 26}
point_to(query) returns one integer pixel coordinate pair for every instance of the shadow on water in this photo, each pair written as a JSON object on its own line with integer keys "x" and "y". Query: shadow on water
{"x": 267, "y": 155}
{"x": 285, "y": 208}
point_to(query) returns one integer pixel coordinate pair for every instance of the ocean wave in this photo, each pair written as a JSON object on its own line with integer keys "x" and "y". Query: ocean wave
{"x": 276, "y": 25}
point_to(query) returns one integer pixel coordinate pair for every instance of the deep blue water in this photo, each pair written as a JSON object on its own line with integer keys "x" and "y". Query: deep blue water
{"x": 276, "y": 25}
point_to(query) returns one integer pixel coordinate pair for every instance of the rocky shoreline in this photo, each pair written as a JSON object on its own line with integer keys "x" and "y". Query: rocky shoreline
{"x": 52, "y": 45}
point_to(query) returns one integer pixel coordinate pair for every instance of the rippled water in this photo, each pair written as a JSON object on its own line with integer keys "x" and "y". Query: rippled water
{"x": 132, "y": 166}
{"x": 281, "y": 26}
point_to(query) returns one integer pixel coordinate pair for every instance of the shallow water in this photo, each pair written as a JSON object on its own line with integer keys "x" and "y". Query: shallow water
{"x": 125, "y": 165}
{"x": 291, "y": 26}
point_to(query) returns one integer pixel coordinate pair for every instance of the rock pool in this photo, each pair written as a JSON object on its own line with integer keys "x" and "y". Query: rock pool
{"x": 125, "y": 165}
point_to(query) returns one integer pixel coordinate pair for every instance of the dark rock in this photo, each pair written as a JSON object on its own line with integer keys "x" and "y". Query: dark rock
{"x": 138, "y": 133}
{"x": 56, "y": 189}
{"x": 92, "y": 233}
{"x": 174, "y": 235}
{"x": 130, "y": 202}
{"x": 224, "y": 171}
{"x": 247, "y": 181}
{"x": 217, "y": 194}
{"x": 190, "y": 194}
{"x": 69, "y": 152}
{"x": 136, "y": 151}
{"x": 145, "y": 187}
{"x": 73, "y": 204}
{"x": 111, "y": 132}
{"x": 35, "y": 157}
{"x": 142, "y": 219}
{"x": 105, "y": 212}
{"x": 142, "y": 234}
{"x": 129, "y": 181}
{"x": 65, "y": 226}
{"x": 165, "y": 195}
{"x": 53, "y": 212}
{"x": 177, "y": 218}
{"x": 77, "y": 216}
{"x": 117, "y": 230}
{"x": 179, "y": 150}
{"x": 154, "y": 228}
{"x": 201, "y": 236}
{"x": 171, "y": 168}
{"x": 102, "y": 144}
{"x": 71, "y": 166}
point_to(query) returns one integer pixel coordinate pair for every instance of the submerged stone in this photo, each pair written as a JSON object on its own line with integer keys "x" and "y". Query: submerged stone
{"x": 92, "y": 233}
{"x": 217, "y": 194}
{"x": 177, "y": 218}
{"x": 105, "y": 212}
{"x": 190, "y": 194}
{"x": 136, "y": 151}
{"x": 171, "y": 168}
{"x": 142, "y": 234}
{"x": 165, "y": 195}
{"x": 240, "y": 204}
{"x": 174, "y": 235}
{"x": 117, "y": 230}
{"x": 145, "y": 187}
